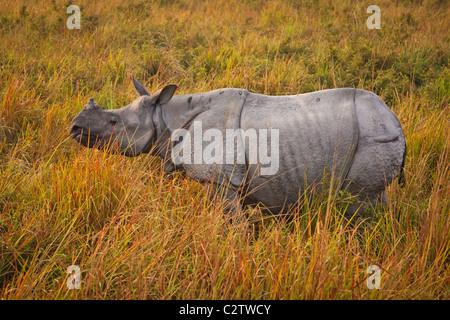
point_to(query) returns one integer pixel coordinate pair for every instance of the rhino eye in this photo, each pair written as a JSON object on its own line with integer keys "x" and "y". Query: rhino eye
{"x": 113, "y": 122}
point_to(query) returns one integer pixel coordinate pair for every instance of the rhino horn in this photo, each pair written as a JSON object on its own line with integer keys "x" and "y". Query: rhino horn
{"x": 92, "y": 103}
{"x": 139, "y": 87}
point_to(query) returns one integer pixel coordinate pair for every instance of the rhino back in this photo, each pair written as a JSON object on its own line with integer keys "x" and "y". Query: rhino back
{"x": 318, "y": 132}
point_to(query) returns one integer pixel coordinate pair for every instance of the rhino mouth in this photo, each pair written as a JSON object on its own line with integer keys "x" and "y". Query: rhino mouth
{"x": 83, "y": 136}
{"x": 86, "y": 138}
{"x": 92, "y": 140}
{"x": 76, "y": 132}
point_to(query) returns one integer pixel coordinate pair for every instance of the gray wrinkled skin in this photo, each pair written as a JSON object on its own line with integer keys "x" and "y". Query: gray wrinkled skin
{"x": 347, "y": 134}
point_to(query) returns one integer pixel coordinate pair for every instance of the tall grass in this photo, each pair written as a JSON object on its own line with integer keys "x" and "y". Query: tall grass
{"x": 138, "y": 233}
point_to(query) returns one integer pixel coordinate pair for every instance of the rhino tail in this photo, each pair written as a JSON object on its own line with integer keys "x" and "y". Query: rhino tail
{"x": 401, "y": 174}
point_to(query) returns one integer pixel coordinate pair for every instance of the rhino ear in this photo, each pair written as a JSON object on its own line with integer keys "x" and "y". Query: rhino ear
{"x": 140, "y": 89}
{"x": 165, "y": 94}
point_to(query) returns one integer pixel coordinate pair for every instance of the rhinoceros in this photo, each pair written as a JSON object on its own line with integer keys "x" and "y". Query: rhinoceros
{"x": 254, "y": 148}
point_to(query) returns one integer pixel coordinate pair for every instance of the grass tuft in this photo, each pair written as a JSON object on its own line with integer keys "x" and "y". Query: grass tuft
{"x": 138, "y": 233}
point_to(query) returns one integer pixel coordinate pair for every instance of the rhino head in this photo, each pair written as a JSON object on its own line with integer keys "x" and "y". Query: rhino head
{"x": 129, "y": 130}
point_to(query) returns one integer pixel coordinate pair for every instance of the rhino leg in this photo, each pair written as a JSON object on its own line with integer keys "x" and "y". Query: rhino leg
{"x": 232, "y": 200}
{"x": 366, "y": 202}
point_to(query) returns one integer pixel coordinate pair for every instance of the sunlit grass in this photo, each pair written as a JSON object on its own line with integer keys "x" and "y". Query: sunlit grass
{"x": 139, "y": 233}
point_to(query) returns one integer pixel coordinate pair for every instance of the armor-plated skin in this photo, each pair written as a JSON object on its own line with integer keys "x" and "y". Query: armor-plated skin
{"x": 318, "y": 134}
{"x": 347, "y": 134}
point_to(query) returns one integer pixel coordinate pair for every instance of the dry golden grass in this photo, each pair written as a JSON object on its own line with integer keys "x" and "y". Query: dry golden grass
{"x": 137, "y": 233}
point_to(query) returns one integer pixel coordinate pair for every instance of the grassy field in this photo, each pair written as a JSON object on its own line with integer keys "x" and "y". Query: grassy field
{"x": 138, "y": 233}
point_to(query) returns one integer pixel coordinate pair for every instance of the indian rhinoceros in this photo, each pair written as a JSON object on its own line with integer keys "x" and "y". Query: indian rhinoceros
{"x": 255, "y": 148}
